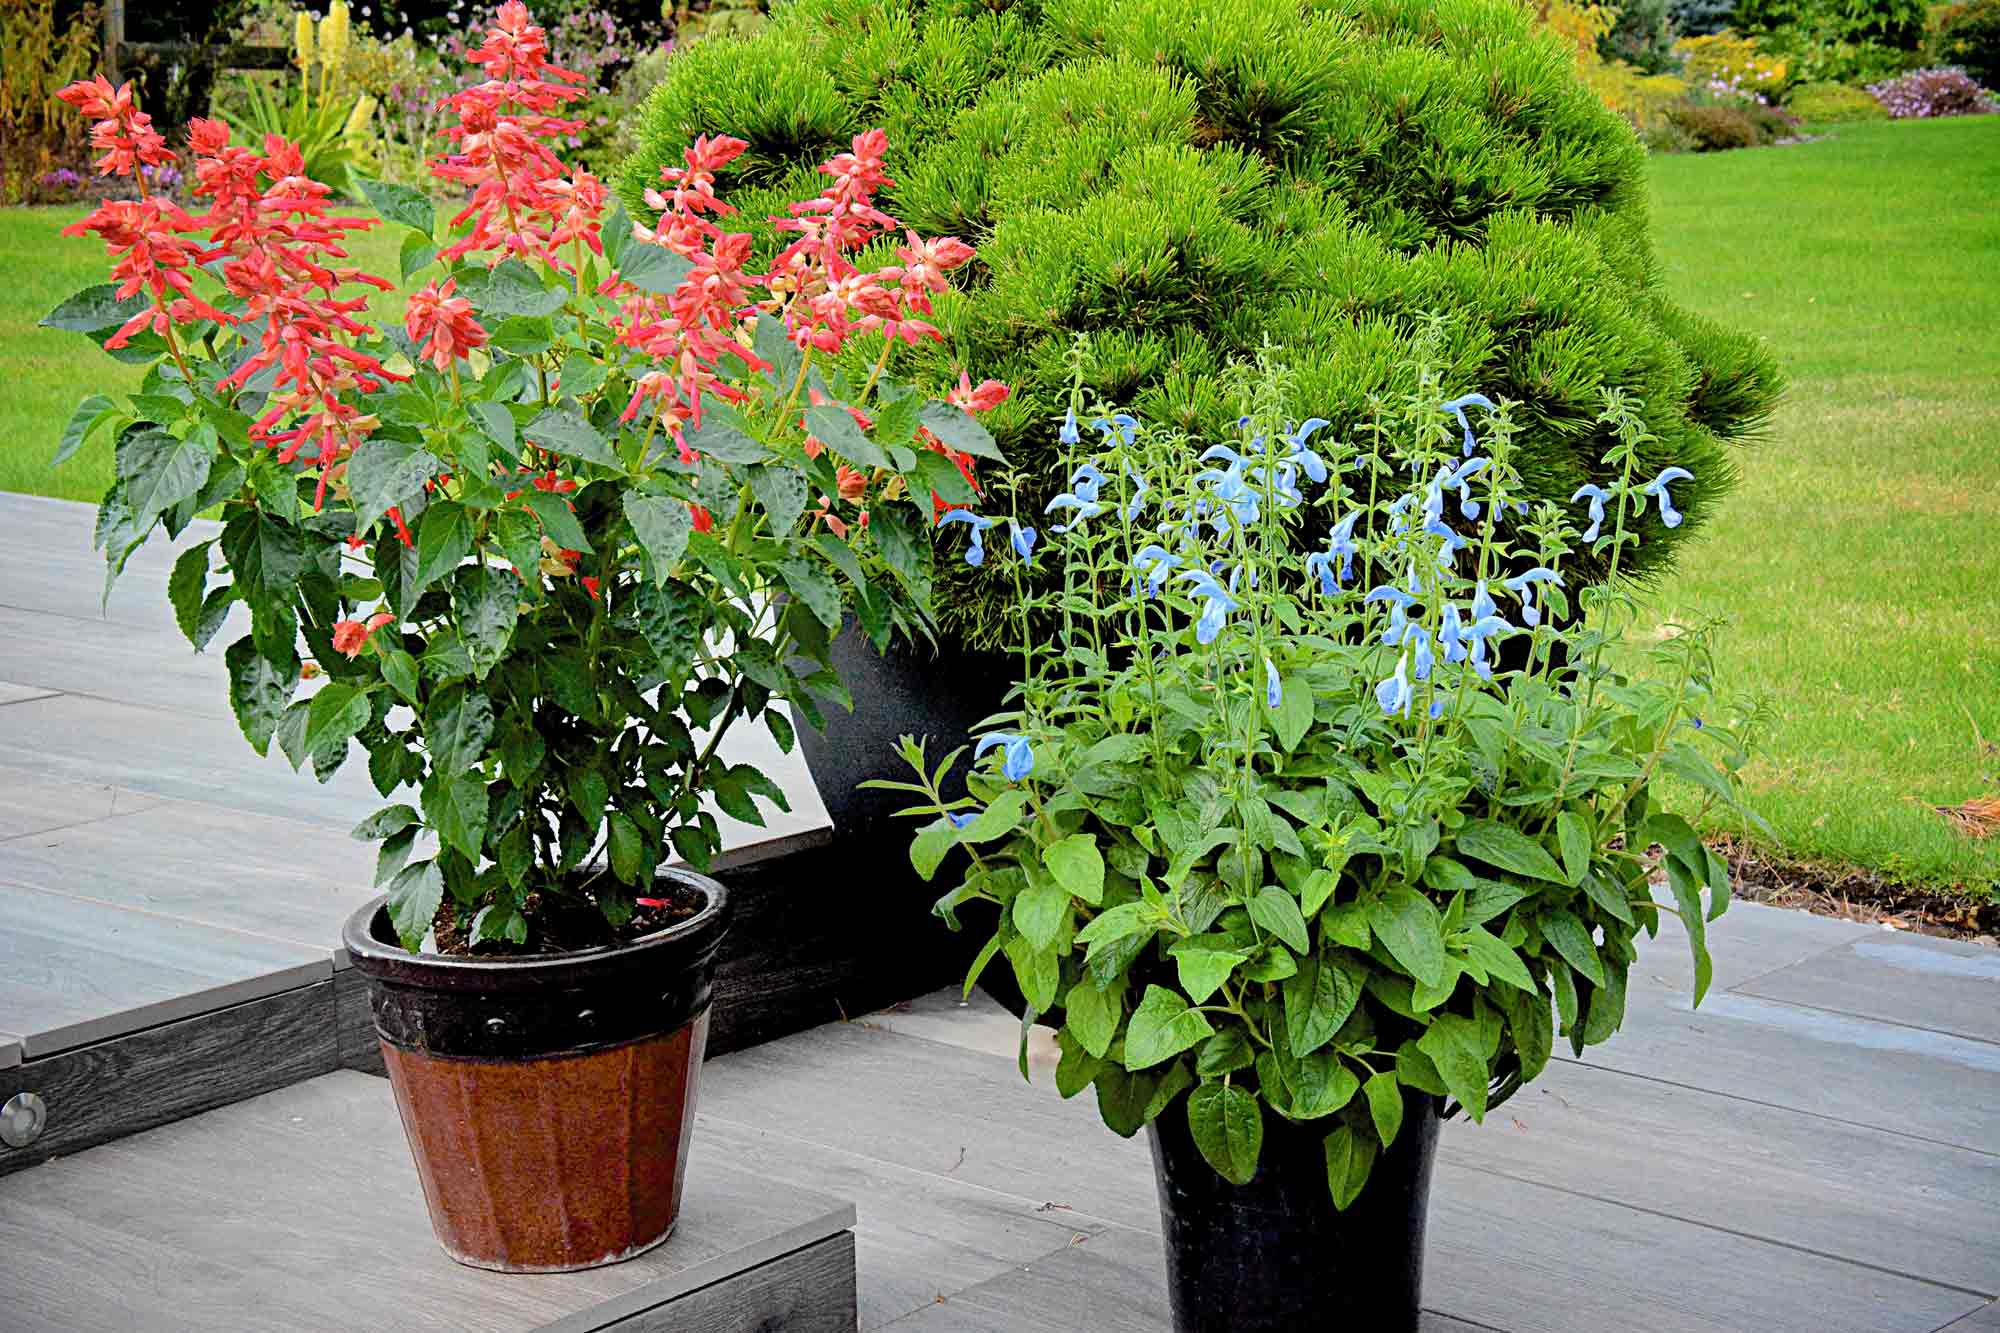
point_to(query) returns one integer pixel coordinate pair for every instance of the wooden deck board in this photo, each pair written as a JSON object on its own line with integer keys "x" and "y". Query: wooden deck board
{"x": 1936, "y": 985}
{"x": 300, "y": 1210}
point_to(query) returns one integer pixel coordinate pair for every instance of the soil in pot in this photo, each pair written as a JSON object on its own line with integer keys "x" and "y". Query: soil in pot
{"x": 548, "y": 1099}
{"x": 1273, "y": 1256}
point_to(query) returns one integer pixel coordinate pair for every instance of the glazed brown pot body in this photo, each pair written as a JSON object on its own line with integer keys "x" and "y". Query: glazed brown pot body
{"x": 547, "y": 1100}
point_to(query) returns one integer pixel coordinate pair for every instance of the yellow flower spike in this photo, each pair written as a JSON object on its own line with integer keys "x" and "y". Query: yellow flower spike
{"x": 357, "y": 119}
{"x": 302, "y": 40}
{"x": 333, "y": 36}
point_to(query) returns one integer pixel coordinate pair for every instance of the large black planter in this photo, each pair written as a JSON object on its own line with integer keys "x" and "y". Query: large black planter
{"x": 909, "y": 690}
{"x": 1273, "y": 1256}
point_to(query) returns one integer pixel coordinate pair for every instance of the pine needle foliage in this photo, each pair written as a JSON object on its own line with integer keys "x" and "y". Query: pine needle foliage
{"x": 1180, "y": 182}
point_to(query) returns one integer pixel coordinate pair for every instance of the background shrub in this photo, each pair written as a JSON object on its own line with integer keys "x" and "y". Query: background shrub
{"x": 1712, "y": 127}
{"x": 1698, "y": 18}
{"x": 1643, "y": 37}
{"x": 1832, "y": 104}
{"x": 1968, "y": 36}
{"x": 1727, "y": 61}
{"x": 1177, "y": 181}
{"x": 1893, "y": 23}
{"x": 1933, "y": 92}
{"x": 44, "y": 50}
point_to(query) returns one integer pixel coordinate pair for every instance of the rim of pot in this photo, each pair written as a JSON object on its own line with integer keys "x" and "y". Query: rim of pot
{"x": 700, "y": 933}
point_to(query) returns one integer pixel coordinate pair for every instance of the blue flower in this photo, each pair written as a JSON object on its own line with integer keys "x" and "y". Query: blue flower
{"x": 1448, "y": 552}
{"x": 1220, "y": 604}
{"x": 1120, "y": 424}
{"x": 1399, "y": 522}
{"x": 1389, "y": 592}
{"x": 1425, "y": 658}
{"x": 1284, "y": 485}
{"x": 1524, "y": 586}
{"x": 960, "y": 821}
{"x": 1449, "y": 636}
{"x": 1229, "y": 487}
{"x": 1339, "y": 542}
{"x": 1597, "y": 495}
{"x": 1153, "y": 561}
{"x": 1657, "y": 487}
{"x": 1137, "y": 505}
{"x": 1482, "y": 603}
{"x": 1273, "y": 692}
{"x": 1437, "y": 706}
{"x": 1313, "y": 465}
{"x": 1393, "y": 694}
{"x": 1022, "y": 538}
{"x": 1459, "y": 479}
{"x": 1067, "y": 434}
{"x": 1017, "y": 760}
{"x": 1457, "y": 408}
{"x": 975, "y": 554}
{"x": 1086, "y": 482}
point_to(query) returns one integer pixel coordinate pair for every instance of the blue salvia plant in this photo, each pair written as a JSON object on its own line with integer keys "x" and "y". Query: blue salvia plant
{"x": 1309, "y": 837}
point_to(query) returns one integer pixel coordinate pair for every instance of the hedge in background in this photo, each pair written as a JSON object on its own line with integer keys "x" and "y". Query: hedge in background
{"x": 1180, "y": 180}
{"x": 1832, "y": 104}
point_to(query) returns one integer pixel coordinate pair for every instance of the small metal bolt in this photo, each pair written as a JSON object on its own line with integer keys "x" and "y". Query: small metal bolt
{"x": 22, "y": 1118}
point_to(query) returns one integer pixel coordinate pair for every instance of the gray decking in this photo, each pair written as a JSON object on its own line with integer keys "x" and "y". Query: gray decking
{"x": 1817, "y": 1149}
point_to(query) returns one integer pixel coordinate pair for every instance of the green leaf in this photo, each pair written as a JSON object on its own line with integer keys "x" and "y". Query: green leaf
{"x": 395, "y": 850}
{"x": 1346, "y": 923}
{"x": 455, "y": 806}
{"x": 334, "y": 715}
{"x": 1162, "y": 1027}
{"x": 414, "y": 896}
{"x": 662, "y": 524}
{"x": 838, "y": 432}
{"x": 1687, "y": 896}
{"x": 558, "y": 521}
{"x": 957, "y": 429}
{"x": 186, "y": 587}
{"x": 160, "y": 470}
{"x": 1320, "y": 1083}
{"x": 937, "y": 473}
{"x": 93, "y": 310}
{"x": 1608, "y": 897}
{"x": 1503, "y": 845}
{"x": 1294, "y": 714}
{"x": 1349, "y": 1159}
{"x": 1318, "y": 999}
{"x": 509, "y": 288}
{"x": 932, "y": 843}
{"x": 1496, "y": 957}
{"x": 653, "y": 268}
{"x": 400, "y": 670}
{"x": 389, "y": 820}
{"x": 418, "y": 252}
{"x": 1039, "y": 912}
{"x": 782, "y": 493}
{"x": 397, "y": 203}
{"x": 1411, "y": 930}
{"x": 717, "y": 438}
{"x": 1077, "y": 866}
{"x": 813, "y": 586}
{"x": 90, "y": 415}
{"x": 1228, "y": 1126}
{"x": 1533, "y": 1029}
{"x": 1454, "y": 1047}
{"x": 671, "y": 619}
{"x": 906, "y": 552}
{"x": 1001, "y": 816}
{"x": 628, "y": 852}
{"x": 1571, "y": 939}
{"x": 488, "y": 603}
{"x": 1202, "y": 970}
{"x": 266, "y": 556}
{"x": 1385, "y": 1105}
{"x": 258, "y": 692}
{"x": 444, "y": 539}
{"x": 1573, "y": 836}
{"x": 564, "y": 431}
{"x": 1606, "y": 1012}
{"x": 1091, "y": 1016}
{"x": 385, "y": 474}
{"x": 498, "y": 424}
{"x": 523, "y": 336}
{"x": 458, "y": 733}
{"x": 1038, "y": 971}
{"x": 1278, "y": 912}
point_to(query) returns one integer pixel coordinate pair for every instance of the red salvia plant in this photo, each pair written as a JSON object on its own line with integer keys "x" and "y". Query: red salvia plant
{"x": 539, "y": 547}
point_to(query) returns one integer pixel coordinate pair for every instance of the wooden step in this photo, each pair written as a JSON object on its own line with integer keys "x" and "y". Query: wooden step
{"x": 300, "y": 1210}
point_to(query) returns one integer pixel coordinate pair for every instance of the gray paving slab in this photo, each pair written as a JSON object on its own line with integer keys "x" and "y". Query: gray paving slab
{"x": 300, "y": 1210}
{"x": 284, "y": 878}
{"x": 1950, "y": 986}
{"x": 10, "y": 1050}
{"x": 36, "y": 803}
{"x": 152, "y": 666}
{"x": 1747, "y": 941}
{"x": 73, "y": 972}
{"x": 1986, "y": 1319}
{"x": 11, "y": 693}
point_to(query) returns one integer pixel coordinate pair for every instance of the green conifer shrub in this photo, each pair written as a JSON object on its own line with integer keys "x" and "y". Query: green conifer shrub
{"x": 1182, "y": 181}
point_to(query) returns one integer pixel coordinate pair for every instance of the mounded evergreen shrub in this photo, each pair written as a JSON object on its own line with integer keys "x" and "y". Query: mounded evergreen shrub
{"x": 1832, "y": 104}
{"x": 1181, "y": 181}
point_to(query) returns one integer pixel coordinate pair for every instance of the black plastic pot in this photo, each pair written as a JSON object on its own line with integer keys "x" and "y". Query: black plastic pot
{"x": 547, "y": 1100}
{"x": 1273, "y": 1256}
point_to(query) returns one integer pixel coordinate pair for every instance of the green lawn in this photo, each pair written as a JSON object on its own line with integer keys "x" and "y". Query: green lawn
{"x": 43, "y": 372}
{"x": 1858, "y": 557}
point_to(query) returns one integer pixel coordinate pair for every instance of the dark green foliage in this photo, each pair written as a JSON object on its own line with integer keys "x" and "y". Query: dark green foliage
{"x": 1714, "y": 128}
{"x": 1643, "y": 37}
{"x": 1700, "y": 18}
{"x": 1969, "y": 37}
{"x": 1177, "y": 181}
{"x": 1896, "y": 23}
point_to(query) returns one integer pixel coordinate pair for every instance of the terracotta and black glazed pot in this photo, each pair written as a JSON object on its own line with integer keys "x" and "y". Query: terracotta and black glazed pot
{"x": 1273, "y": 1256}
{"x": 547, "y": 1099}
